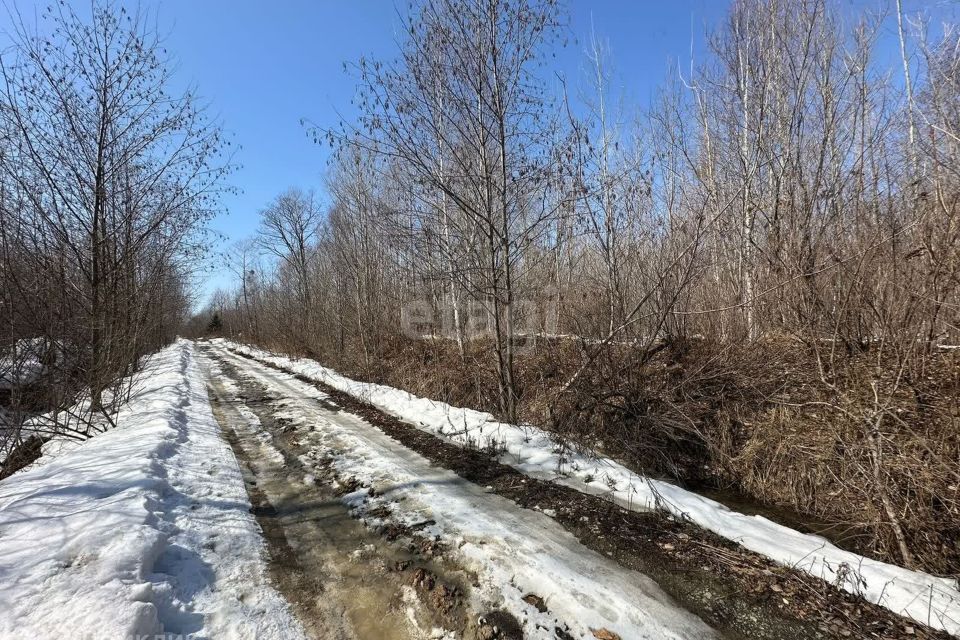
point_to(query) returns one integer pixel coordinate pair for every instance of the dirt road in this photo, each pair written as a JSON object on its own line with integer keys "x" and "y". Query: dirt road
{"x": 368, "y": 539}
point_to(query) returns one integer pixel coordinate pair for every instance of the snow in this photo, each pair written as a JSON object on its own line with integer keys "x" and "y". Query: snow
{"x": 21, "y": 363}
{"x": 512, "y": 551}
{"x": 143, "y": 530}
{"x": 928, "y": 599}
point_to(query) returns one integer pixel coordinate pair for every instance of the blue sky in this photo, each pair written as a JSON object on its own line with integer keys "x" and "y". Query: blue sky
{"x": 264, "y": 66}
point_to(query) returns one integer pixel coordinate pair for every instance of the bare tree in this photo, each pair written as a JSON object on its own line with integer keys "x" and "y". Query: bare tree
{"x": 108, "y": 177}
{"x": 288, "y": 230}
{"x": 482, "y": 143}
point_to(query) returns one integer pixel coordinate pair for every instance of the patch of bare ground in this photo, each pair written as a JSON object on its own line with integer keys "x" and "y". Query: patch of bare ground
{"x": 23, "y": 455}
{"x": 741, "y": 594}
{"x": 344, "y": 579}
{"x": 444, "y": 596}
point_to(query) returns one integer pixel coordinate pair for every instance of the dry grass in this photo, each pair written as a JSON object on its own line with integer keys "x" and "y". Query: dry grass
{"x": 756, "y": 418}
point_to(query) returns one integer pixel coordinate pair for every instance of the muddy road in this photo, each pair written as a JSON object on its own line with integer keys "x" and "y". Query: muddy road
{"x": 368, "y": 539}
{"x": 343, "y": 579}
{"x": 376, "y": 529}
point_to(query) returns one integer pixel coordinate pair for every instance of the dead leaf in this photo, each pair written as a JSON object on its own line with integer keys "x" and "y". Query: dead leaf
{"x": 535, "y": 601}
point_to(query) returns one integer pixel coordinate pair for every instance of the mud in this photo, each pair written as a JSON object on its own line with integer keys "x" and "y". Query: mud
{"x": 343, "y": 580}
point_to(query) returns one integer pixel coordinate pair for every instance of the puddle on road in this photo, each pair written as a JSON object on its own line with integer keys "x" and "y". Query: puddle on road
{"x": 342, "y": 580}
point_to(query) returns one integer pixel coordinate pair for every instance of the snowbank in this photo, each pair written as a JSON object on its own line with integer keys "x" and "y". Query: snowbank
{"x": 143, "y": 530}
{"x": 928, "y": 599}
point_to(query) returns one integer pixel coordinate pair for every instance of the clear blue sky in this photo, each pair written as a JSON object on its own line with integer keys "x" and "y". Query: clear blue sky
{"x": 264, "y": 66}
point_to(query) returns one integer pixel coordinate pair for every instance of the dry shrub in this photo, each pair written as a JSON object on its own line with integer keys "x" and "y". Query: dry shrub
{"x": 755, "y": 417}
{"x": 430, "y": 368}
{"x": 810, "y": 447}
{"x": 663, "y": 410}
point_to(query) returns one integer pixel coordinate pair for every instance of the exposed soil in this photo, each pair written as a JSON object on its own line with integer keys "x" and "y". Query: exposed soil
{"x": 23, "y": 455}
{"x": 741, "y": 594}
{"x": 343, "y": 580}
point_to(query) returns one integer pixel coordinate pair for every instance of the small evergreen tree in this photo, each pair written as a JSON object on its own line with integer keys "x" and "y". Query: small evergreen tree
{"x": 215, "y": 325}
